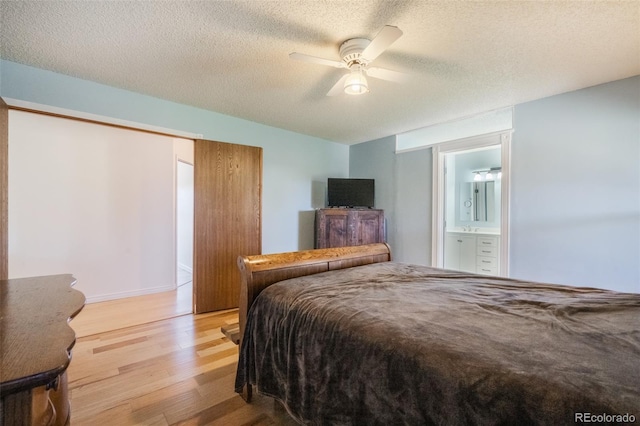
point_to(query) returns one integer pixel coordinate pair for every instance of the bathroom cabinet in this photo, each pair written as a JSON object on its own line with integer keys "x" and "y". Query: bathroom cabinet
{"x": 472, "y": 252}
{"x": 460, "y": 252}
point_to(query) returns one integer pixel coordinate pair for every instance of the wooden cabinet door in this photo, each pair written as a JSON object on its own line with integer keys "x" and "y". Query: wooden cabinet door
{"x": 227, "y": 220}
{"x": 368, "y": 227}
{"x": 332, "y": 228}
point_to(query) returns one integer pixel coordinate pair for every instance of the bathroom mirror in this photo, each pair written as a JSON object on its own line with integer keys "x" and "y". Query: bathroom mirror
{"x": 477, "y": 201}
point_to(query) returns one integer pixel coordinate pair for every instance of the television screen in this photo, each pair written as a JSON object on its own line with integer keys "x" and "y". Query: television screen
{"x": 350, "y": 192}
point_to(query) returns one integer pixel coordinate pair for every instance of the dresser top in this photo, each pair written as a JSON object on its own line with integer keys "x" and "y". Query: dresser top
{"x": 35, "y": 337}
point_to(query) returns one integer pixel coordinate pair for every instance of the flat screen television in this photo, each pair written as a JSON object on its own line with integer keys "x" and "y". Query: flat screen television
{"x": 350, "y": 192}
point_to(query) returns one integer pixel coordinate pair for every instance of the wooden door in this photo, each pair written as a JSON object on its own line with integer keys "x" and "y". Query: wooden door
{"x": 4, "y": 189}
{"x": 227, "y": 220}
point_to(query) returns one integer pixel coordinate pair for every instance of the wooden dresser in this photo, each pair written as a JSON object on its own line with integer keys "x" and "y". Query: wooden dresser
{"x": 338, "y": 227}
{"x": 35, "y": 348}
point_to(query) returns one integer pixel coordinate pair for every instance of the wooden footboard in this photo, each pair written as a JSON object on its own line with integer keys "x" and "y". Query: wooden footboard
{"x": 260, "y": 271}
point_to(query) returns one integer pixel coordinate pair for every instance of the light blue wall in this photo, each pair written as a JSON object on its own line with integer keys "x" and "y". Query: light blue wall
{"x": 575, "y": 198}
{"x": 575, "y": 214}
{"x": 403, "y": 190}
{"x": 296, "y": 166}
{"x": 374, "y": 160}
{"x": 413, "y": 207}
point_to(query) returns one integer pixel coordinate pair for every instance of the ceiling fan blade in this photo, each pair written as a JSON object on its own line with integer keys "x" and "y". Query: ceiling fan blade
{"x": 379, "y": 44}
{"x": 314, "y": 59}
{"x": 338, "y": 88}
{"x": 385, "y": 74}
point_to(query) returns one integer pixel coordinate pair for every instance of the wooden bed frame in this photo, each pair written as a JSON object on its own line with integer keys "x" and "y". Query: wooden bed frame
{"x": 260, "y": 271}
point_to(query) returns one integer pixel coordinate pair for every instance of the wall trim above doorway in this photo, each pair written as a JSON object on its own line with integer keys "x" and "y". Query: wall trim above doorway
{"x": 490, "y": 122}
{"x": 27, "y": 106}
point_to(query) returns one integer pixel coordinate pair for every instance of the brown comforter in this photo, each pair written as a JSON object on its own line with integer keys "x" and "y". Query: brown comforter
{"x": 391, "y": 343}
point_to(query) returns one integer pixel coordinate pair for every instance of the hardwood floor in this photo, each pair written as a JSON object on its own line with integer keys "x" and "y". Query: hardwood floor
{"x": 171, "y": 371}
{"x": 122, "y": 313}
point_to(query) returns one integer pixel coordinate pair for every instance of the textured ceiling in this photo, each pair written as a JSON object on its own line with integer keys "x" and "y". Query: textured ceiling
{"x": 462, "y": 57}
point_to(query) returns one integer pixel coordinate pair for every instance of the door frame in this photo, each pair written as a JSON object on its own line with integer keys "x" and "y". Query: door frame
{"x": 4, "y": 190}
{"x": 503, "y": 139}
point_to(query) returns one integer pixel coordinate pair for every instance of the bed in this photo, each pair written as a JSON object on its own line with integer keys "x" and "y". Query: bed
{"x": 346, "y": 336}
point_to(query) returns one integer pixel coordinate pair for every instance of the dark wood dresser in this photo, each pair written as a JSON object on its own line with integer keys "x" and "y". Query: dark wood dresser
{"x": 35, "y": 348}
{"x": 338, "y": 227}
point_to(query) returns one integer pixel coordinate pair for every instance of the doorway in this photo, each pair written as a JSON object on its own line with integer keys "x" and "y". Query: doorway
{"x": 471, "y": 199}
{"x": 184, "y": 234}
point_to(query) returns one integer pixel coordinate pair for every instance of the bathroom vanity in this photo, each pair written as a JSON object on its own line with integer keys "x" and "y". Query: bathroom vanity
{"x": 472, "y": 250}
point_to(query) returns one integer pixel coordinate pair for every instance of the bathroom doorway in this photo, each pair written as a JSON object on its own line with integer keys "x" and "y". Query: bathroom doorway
{"x": 471, "y": 196}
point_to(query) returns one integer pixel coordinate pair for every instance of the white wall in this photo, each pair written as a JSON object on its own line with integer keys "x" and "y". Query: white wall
{"x": 183, "y": 149}
{"x": 91, "y": 200}
{"x": 184, "y": 160}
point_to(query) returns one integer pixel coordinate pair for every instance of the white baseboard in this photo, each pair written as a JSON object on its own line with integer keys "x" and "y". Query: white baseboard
{"x": 185, "y": 268}
{"x": 133, "y": 293}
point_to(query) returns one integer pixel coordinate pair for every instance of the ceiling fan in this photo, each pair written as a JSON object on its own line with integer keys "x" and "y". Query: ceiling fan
{"x": 357, "y": 55}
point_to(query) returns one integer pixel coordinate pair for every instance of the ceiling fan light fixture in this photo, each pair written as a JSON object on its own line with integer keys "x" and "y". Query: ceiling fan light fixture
{"x": 356, "y": 83}
{"x": 357, "y": 54}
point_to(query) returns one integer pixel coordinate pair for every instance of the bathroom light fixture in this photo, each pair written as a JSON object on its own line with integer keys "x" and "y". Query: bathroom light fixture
{"x": 487, "y": 174}
{"x": 356, "y": 83}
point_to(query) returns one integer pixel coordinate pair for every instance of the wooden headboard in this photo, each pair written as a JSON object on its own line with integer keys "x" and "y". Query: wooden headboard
{"x": 260, "y": 271}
